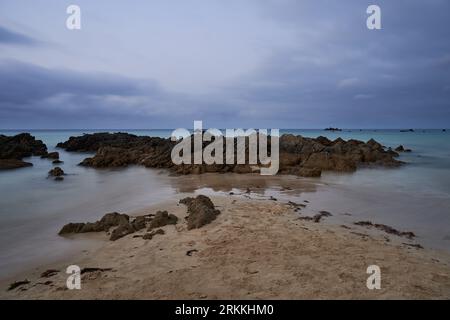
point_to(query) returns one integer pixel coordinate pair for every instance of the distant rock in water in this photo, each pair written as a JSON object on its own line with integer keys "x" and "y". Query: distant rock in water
{"x": 6, "y": 164}
{"x": 402, "y": 149}
{"x": 298, "y": 155}
{"x": 14, "y": 148}
{"x": 51, "y": 155}
{"x": 333, "y": 129}
{"x": 408, "y": 130}
{"x": 57, "y": 173}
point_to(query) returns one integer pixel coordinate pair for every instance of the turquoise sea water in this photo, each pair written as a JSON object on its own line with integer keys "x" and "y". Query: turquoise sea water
{"x": 414, "y": 197}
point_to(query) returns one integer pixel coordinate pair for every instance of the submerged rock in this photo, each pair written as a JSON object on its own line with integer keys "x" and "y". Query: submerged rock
{"x": 201, "y": 211}
{"x": 56, "y": 172}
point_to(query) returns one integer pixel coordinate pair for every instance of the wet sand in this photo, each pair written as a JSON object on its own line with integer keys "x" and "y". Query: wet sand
{"x": 256, "y": 248}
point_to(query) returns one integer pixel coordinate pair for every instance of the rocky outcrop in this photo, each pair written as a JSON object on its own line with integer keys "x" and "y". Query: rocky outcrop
{"x": 201, "y": 211}
{"x": 121, "y": 223}
{"x": 298, "y": 155}
{"x": 6, "y": 164}
{"x": 14, "y": 148}
{"x": 109, "y": 220}
{"x": 161, "y": 219}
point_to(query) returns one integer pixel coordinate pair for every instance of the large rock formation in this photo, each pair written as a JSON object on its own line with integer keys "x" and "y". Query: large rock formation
{"x": 14, "y": 148}
{"x": 298, "y": 155}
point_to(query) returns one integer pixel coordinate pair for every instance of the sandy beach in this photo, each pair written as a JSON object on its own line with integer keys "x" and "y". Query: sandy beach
{"x": 255, "y": 249}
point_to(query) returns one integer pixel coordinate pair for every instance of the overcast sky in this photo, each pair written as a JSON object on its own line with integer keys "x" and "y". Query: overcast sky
{"x": 233, "y": 63}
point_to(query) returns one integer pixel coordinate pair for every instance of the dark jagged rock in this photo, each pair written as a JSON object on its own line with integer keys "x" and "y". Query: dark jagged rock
{"x": 150, "y": 235}
{"x": 17, "y": 284}
{"x": 14, "y": 148}
{"x": 109, "y": 220}
{"x": 139, "y": 223}
{"x": 402, "y": 149}
{"x": 71, "y": 228}
{"x": 387, "y": 229}
{"x": 333, "y": 129}
{"x": 201, "y": 211}
{"x": 51, "y": 155}
{"x": 56, "y": 172}
{"x": 161, "y": 219}
{"x": 298, "y": 155}
{"x": 6, "y": 164}
{"x": 121, "y": 231}
{"x": 57, "y": 161}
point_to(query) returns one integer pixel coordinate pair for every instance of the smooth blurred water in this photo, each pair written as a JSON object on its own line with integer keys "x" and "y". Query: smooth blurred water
{"x": 33, "y": 208}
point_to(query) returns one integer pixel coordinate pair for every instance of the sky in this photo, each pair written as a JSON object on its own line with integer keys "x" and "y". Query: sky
{"x": 253, "y": 63}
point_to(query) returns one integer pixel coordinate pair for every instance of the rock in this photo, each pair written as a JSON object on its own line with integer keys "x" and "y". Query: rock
{"x": 139, "y": 223}
{"x": 298, "y": 155}
{"x": 51, "y": 155}
{"x": 387, "y": 229}
{"x": 71, "y": 228}
{"x": 318, "y": 217}
{"x": 49, "y": 273}
{"x": 121, "y": 231}
{"x": 17, "y": 284}
{"x": 56, "y": 172}
{"x": 57, "y": 161}
{"x": 150, "y": 235}
{"x": 109, "y": 220}
{"x": 333, "y": 129}
{"x": 161, "y": 219}
{"x": 6, "y": 164}
{"x": 14, "y": 148}
{"x": 402, "y": 149}
{"x": 113, "y": 219}
{"x": 59, "y": 178}
{"x": 201, "y": 211}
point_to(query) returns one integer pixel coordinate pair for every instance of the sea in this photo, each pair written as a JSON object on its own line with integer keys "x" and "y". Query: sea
{"x": 414, "y": 197}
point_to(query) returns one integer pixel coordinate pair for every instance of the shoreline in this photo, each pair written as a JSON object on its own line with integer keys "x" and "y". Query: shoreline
{"x": 254, "y": 249}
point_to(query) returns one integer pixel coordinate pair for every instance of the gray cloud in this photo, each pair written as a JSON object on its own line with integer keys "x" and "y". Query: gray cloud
{"x": 14, "y": 38}
{"x": 334, "y": 71}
